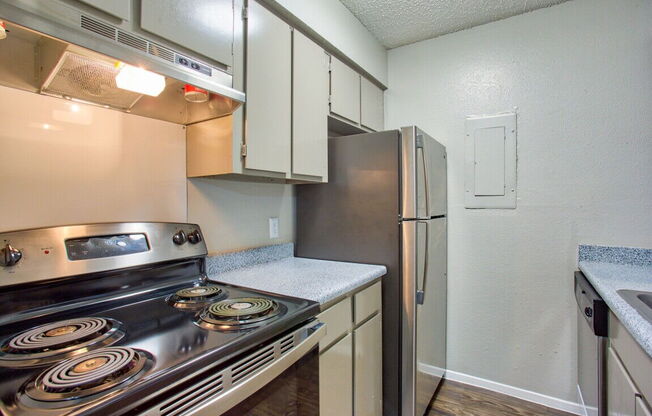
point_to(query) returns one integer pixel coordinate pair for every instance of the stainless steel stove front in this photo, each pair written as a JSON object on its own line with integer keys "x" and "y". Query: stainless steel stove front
{"x": 284, "y": 372}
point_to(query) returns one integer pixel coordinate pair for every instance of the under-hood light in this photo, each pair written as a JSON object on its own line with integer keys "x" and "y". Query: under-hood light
{"x": 139, "y": 80}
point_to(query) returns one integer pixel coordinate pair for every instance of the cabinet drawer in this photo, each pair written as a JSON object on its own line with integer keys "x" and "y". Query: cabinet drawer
{"x": 338, "y": 321}
{"x": 367, "y": 302}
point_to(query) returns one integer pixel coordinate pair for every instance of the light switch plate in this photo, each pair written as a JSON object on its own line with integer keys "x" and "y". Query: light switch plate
{"x": 490, "y": 161}
{"x": 273, "y": 227}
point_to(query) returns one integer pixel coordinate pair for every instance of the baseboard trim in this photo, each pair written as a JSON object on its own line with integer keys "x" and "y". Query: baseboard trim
{"x": 517, "y": 392}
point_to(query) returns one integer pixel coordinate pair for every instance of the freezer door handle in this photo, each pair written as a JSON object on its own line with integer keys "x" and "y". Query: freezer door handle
{"x": 421, "y": 289}
{"x": 426, "y": 185}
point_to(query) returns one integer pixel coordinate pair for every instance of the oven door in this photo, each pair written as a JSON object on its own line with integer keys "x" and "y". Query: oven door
{"x": 280, "y": 378}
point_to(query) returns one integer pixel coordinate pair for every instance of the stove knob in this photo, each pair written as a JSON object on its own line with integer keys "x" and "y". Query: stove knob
{"x": 194, "y": 237}
{"x": 10, "y": 256}
{"x": 180, "y": 238}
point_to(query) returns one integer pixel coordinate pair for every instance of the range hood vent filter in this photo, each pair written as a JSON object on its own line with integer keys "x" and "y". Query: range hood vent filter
{"x": 90, "y": 80}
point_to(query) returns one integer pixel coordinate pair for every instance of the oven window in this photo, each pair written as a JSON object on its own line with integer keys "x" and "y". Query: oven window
{"x": 294, "y": 393}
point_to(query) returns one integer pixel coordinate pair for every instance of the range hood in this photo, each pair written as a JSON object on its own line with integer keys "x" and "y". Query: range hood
{"x": 83, "y": 71}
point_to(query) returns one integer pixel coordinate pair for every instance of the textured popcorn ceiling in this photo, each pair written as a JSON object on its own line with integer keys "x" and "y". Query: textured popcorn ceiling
{"x": 400, "y": 22}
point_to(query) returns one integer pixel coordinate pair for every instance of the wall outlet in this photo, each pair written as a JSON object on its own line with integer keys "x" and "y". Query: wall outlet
{"x": 273, "y": 227}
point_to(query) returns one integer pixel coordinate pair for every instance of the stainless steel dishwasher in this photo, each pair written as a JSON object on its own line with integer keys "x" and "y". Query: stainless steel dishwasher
{"x": 592, "y": 318}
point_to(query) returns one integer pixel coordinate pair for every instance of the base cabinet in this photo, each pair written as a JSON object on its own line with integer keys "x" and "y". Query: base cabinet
{"x": 336, "y": 379}
{"x": 350, "y": 360}
{"x": 368, "y": 388}
{"x": 629, "y": 373}
{"x": 621, "y": 392}
{"x": 641, "y": 408}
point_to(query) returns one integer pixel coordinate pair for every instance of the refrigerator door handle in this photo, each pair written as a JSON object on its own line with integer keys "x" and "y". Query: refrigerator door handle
{"x": 421, "y": 145}
{"x": 421, "y": 293}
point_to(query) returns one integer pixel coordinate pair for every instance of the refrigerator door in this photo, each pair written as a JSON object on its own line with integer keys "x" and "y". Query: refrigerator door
{"x": 423, "y": 175}
{"x": 424, "y": 323}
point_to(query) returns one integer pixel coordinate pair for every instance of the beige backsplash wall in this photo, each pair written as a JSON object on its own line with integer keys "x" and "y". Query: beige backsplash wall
{"x": 234, "y": 215}
{"x": 63, "y": 163}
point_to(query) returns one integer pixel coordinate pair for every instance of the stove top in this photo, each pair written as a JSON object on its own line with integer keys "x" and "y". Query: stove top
{"x": 105, "y": 348}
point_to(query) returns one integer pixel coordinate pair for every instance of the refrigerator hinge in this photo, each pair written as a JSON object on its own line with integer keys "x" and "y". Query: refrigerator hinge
{"x": 245, "y": 13}
{"x": 243, "y": 150}
{"x": 419, "y": 141}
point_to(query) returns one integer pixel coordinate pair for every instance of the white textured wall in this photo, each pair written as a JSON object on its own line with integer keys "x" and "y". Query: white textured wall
{"x": 234, "y": 215}
{"x": 64, "y": 163}
{"x": 581, "y": 76}
{"x": 332, "y": 20}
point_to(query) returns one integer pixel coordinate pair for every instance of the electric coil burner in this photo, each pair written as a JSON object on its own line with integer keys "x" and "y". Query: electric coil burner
{"x": 196, "y": 297}
{"x": 59, "y": 340}
{"x": 87, "y": 374}
{"x": 238, "y": 313}
{"x": 120, "y": 319}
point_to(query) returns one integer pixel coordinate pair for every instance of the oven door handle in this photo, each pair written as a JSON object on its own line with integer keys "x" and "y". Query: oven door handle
{"x": 312, "y": 334}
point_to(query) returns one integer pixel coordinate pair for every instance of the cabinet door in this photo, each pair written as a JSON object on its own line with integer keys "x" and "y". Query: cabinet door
{"x": 204, "y": 26}
{"x": 345, "y": 91}
{"x": 621, "y": 392}
{"x": 309, "y": 108}
{"x": 268, "y": 131}
{"x": 368, "y": 374}
{"x": 641, "y": 408}
{"x": 371, "y": 105}
{"x": 336, "y": 379}
{"x": 118, "y": 8}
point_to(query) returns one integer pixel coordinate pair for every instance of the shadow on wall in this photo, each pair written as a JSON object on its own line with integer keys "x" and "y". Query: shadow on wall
{"x": 235, "y": 215}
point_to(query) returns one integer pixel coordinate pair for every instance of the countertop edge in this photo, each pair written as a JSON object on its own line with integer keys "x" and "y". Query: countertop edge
{"x": 633, "y": 322}
{"x": 343, "y": 287}
{"x": 334, "y": 301}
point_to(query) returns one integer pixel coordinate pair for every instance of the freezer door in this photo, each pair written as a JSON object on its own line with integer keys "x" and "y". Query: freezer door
{"x": 423, "y": 175}
{"x": 424, "y": 301}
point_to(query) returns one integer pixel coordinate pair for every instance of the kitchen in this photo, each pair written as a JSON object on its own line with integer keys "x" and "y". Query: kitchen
{"x": 254, "y": 179}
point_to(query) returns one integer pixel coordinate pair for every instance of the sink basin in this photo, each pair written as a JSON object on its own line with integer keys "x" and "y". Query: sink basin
{"x": 639, "y": 300}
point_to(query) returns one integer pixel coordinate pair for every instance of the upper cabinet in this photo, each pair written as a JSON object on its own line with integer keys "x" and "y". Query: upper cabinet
{"x": 203, "y": 26}
{"x": 371, "y": 106}
{"x": 345, "y": 91}
{"x": 268, "y": 108}
{"x": 282, "y": 132}
{"x": 309, "y": 108}
{"x": 354, "y": 99}
{"x": 116, "y": 8}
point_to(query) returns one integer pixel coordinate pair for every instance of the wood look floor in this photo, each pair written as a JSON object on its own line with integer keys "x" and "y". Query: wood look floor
{"x": 456, "y": 399}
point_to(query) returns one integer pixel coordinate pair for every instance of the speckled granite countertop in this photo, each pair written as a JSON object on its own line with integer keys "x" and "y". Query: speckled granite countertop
{"x": 323, "y": 281}
{"x": 610, "y": 269}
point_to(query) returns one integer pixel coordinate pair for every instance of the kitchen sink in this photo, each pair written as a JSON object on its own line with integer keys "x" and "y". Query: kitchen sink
{"x": 639, "y": 300}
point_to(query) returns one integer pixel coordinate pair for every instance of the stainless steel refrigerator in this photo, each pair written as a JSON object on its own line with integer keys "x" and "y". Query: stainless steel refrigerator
{"x": 385, "y": 203}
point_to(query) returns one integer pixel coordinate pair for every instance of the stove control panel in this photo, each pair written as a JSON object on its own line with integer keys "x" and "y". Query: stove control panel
{"x": 9, "y": 256}
{"x": 50, "y": 253}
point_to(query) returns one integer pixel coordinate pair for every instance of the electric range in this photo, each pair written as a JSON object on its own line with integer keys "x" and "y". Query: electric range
{"x": 121, "y": 319}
